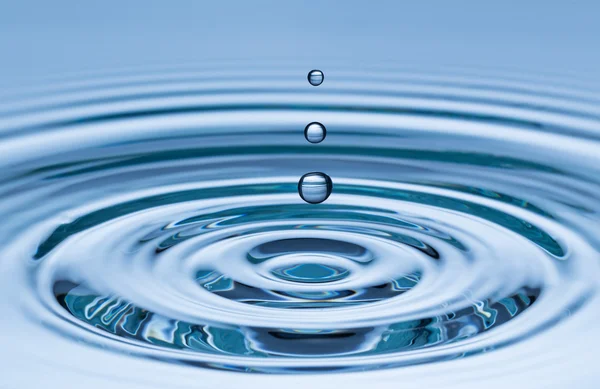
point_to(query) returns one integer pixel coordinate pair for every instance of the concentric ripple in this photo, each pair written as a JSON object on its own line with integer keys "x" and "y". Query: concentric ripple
{"x": 156, "y": 216}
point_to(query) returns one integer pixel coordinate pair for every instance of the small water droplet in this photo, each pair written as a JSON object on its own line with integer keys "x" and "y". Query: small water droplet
{"x": 315, "y": 132}
{"x": 315, "y": 77}
{"x": 314, "y": 188}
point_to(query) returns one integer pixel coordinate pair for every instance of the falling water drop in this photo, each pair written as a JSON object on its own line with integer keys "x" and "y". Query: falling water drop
{"x": 314, "y": 188}
{"x": 315, "y": 77}
{"x": 315, "y": 132}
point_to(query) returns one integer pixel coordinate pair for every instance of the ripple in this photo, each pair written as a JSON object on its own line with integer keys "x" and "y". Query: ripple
{"x": 156, "y": 216}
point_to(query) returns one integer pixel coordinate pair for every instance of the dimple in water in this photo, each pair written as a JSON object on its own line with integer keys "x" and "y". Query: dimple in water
{"x": 311, "y": 273}
{"x": 314, "y": 188}
{"x": 315, "y": 77}
{"x": 315, "y": 132}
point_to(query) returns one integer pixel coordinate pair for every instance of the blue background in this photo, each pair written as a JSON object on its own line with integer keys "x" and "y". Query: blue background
{"x": 40, "y": 38}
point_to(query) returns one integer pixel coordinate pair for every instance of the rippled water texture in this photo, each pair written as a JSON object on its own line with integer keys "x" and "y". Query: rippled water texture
{"x": 152, "y": 226}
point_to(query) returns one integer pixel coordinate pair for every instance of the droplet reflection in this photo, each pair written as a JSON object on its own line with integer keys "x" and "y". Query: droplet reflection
{"x": 315, "y": 77}
{"x": 314, "y": 188}
{"x": 315, "y": 132}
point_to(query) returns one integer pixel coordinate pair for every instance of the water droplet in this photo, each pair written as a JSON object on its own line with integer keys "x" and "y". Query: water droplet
{"x": 315, "y": 77}
{"x": 315, "y": 132}
{"x": 314, "y": 188}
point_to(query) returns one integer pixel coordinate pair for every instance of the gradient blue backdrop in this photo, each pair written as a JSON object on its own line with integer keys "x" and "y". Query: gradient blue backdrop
{"x": 39, "y": 38}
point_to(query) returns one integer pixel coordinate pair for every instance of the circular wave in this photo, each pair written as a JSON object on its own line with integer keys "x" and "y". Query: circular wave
{"x": 158, "y": 216}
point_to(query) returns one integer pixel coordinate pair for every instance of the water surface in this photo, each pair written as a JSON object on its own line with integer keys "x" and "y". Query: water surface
{"x": 152, "y": 225}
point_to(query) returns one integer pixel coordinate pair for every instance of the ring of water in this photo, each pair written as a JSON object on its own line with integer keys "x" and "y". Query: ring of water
{"x": 157, "y": 216}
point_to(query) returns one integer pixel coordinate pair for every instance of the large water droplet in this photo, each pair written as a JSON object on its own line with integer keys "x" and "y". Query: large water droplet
{"x": 315, "y": 187}
{"x": 315, "y": 132}
{"x": 315, "y": 77}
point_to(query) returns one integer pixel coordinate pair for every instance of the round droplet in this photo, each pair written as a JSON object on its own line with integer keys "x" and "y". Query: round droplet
{"x": 315, "y": 77}
{"x": 314, "y": 188}
{"x": 315, "y": 132}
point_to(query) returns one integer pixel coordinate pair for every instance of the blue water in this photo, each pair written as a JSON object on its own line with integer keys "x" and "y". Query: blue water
{"x": 175, "y": 215}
